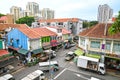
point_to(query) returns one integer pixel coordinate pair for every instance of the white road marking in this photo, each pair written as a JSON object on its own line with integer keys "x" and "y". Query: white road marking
{"x": 78, "y": 75}
{"x": 80, "y": 72}
{"x": 60, "y": 73}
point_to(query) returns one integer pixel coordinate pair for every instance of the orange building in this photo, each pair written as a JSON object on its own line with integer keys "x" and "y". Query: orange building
{"x": 7, "y": 19}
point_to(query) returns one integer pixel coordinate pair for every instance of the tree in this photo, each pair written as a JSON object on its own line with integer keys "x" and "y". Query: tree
{"x": 25, "y": 20}
{"x": 92, "y": 23}
{"x": 1, "y": 15}
{"x": 85, "y": 24}
{"x": 115, "y": 28}
{"x": 89, "y": 24}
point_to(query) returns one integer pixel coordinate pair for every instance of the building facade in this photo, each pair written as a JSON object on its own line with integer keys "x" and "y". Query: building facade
{"x": 47, "y": 13}
{"x": 104, "y": 13}
{"x": 74, "y": 25}
{"x": 32, "y": 8}
{"x": 97, "y": 40}
{"x": 8, "y": 19}
{"x": 16, "y": 12}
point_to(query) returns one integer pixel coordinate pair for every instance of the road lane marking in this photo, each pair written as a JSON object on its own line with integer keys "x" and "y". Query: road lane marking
{"x": 60, "y": 73}
{"x": 78, "y": 75}
{"x": 17, "y": 70}
{"x": 80, "y": 72}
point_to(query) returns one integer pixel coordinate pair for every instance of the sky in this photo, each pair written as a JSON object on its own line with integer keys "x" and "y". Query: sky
{"x": 83, "y": 9}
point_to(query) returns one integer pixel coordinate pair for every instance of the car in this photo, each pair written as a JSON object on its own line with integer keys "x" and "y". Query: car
{"x": 70, "y": 45}
{"x": 50, "y": 53}
{"x": 44, "y": 57}
{"x": 69, "y": 56}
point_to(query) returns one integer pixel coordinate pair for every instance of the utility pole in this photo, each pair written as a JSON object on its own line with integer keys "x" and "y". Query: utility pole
{"x": 50, "y": 67}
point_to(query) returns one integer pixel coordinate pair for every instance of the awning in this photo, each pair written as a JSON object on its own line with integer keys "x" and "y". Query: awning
{"x": 13, "y": 48}
{"x": 47, "y": 47}
{"x": 23, "y": 51}
{"x": 79, "y": 52}
{"x": 116, "y": 58}
{"x": 37, "y": 51}
{"x": 3, "y": 52}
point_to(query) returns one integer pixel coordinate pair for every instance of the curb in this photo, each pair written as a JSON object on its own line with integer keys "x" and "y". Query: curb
{"x": 114, "y": 74}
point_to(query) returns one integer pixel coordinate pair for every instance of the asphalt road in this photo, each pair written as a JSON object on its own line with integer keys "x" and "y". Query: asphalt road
{"x": 68, "y": 70}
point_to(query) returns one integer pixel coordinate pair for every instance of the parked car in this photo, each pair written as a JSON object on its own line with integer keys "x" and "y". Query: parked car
{"x": 50, "y": 53}
{"x": 44, "y": 57}
{"x": 70, "y": 45}
{"x": 7, "y": 77}
{"x": 45, "y": 66}
{"x": 69, "y": 56}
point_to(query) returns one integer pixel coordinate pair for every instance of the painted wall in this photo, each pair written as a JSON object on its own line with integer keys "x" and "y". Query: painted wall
{"x": 114, "y": 45}
{"x": 19, "y": 39}
{"x": 34, "y": 44}
{"x": 1, "y": 44}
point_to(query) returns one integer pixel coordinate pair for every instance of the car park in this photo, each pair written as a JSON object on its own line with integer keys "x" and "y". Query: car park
{"x": 69, "y": 56}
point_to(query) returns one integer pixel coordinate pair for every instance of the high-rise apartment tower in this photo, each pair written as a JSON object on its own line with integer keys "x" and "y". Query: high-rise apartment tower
{"x": 104, "y": 13}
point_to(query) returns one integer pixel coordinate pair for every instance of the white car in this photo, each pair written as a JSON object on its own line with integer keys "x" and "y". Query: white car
{"x": 69, "y": 56}
{"x": 51, "y": 53}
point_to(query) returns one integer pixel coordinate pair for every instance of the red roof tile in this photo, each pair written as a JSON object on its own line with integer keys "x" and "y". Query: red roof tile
{"x": 44, "y": 32}
{"x": 3, "y": 52}
{"x": 3, "y": 18}
{"x": 65, "y": 31}
{"x": 60, "y": 20}
{"x": 5, "y": 26}
{"x": 97, "y": 31}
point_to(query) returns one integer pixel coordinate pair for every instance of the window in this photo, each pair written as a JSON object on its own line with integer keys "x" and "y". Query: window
{"x": 59, "y": 30}
{"x": 107, "y": 46}
{"x": 95, "y": 44}
{"x": 82, "y": 42}
{"x": 48, "y": 24}
{"x": 116, "y": 47}
{"x": 60, "y": 23}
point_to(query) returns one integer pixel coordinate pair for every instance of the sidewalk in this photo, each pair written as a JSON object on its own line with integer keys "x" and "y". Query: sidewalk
{"x": 113, "y": 72}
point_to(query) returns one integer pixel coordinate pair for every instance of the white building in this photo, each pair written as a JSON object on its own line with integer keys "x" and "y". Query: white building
{"x": 74, "y": 25}
{"x": 47, "y": 13}
{"x": 104, "y": 13}
{"x": 15, "y": 11}
{"x": 33, "y": 8}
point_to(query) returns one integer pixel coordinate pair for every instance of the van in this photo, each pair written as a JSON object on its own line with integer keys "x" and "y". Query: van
{"x": 46, "y": 66}
{"x": 51, "y": 53}
{"x": 36, "y": 75}
{"x": 7, "y": 77}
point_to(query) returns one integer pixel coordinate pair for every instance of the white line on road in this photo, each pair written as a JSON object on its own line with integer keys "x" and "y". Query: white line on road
{"x": 78, "y": 75}
{"x": 60, "y": 73}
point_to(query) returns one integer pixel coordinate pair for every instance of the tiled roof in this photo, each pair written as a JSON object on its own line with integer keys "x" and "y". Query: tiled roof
{"x": 98, "y": 31}
{"x": 30, "y": 33}
{"x": 65, "y": 31}
{"x": 23, "y": 28}
{"x": 3, "y": 18}
{"x": 5, "y": 26}
{"x": 55, "y": 27}
{"x": 3, "y": 52}
{"x": 44, "y": 32}
{"x": 60, "y": 20}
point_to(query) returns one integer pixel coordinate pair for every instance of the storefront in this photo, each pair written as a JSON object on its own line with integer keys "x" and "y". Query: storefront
{"x": 13, "y": 50}
{"x": 22, "y": 53}
{"x": 53, "y": 44}
{"x": 112, "y": 61}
